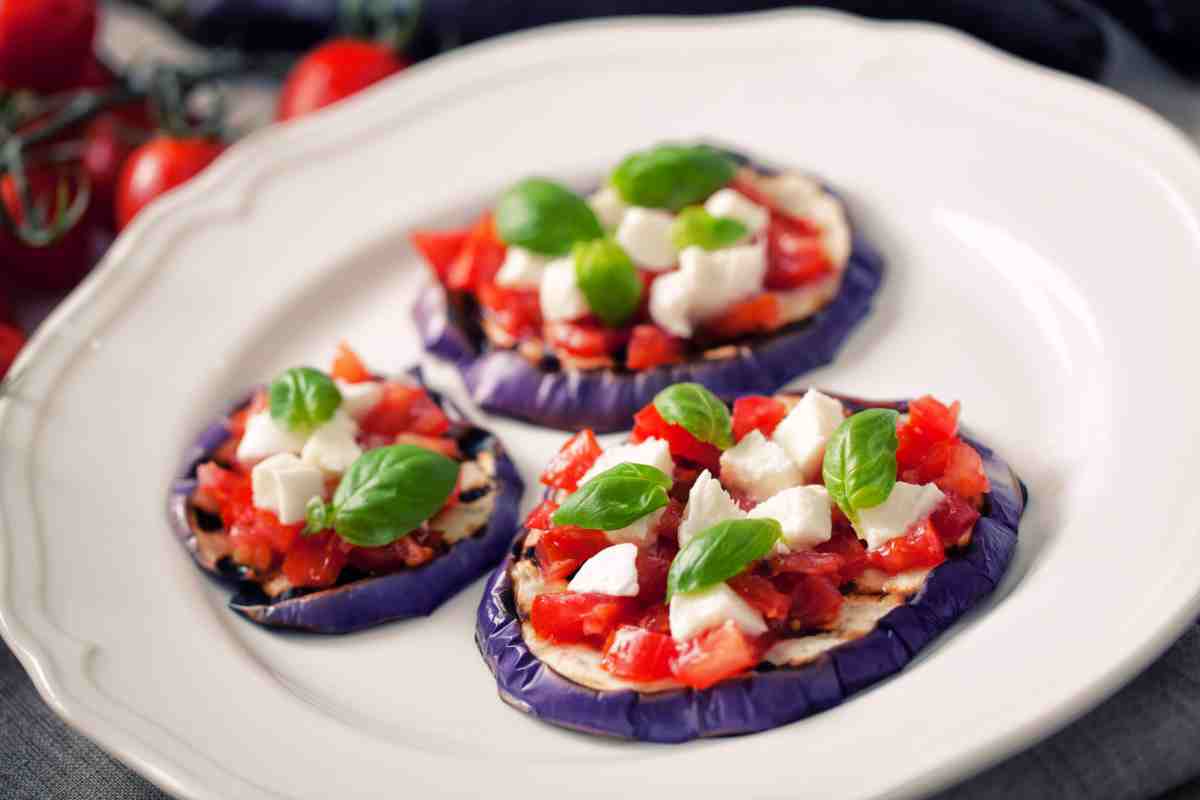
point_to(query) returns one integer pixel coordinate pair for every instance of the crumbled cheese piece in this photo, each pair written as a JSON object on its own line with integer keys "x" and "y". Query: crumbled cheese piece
{"x": 807, "y": 427}
{"x": 612, "y": 571}
{"x": 803, "y": 512}
{"x": 759, "y": 467}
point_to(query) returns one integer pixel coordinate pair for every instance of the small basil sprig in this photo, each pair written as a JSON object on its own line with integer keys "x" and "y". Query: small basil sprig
{"x": 718, "y": 553}
{"x": 608, "y": 279}
{"x": 696, "y": 227}
{"x": 543, "y": 216}
{"x": 672, "y": 176}
{"x": 615, "y": 498}
{"x": 303, "y": 398}
{"x": 859, "y": 469}
{"x": 386, "y": 494}
{"x": 698, "y": 410}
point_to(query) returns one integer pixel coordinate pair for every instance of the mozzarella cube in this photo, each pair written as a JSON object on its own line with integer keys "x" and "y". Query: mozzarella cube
{"x": 804, "y": 514}
{"x": 264, "y": 437}
{"x": 332, "y": 447}
{"x": 645, "y": 233}
{"x": 608, "y": 207}
{"x": 735, "y": 205}
{"x": 670, "y": 303}
{"x": 759, "y": 467}
{"x": 807, "y": 427}
{"x": 359, "y": 398}
{"x": 720, "y": 278}
{"x": 559, "y": 295}
{"x": 652, "y": 452}
{"x": 708, "y": 504}
{"x": 640, "y": 531}
{"x": 612, "y": 571}
{"x": 907, "y": 505}
{"x": 284, "y": 484}
{"x": 696, "y": 612}
{"x": 522, "y": 269}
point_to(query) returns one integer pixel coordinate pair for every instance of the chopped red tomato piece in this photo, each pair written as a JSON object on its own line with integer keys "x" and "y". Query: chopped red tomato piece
{"x": 759, "y": 314}
{"x": 348, "y": 367}
{"x": 920, "y": 547}
{"x": 539, "y": 518}
{"x": 405, "y": 409}
{"x": 932, "y": 419}
{"x": 638, "y": 654}
{"x": 257, "y": 536}
{"x": 795, "y": 253}
{"x": 816, "y": 602}
{"x": 809, "y": 562}
{"x": 585, "y": 338}
{"x": 716, "y": 654}
{"x": 12, "y": 339}
{"x": 953, "y": 518}
{"x": 315, "y": 561}
{"x": 479, "y": 259}
{"x": 846, "y": 545}
{"x": 650, "y": 346}
{"x": 573, "y": 459}
{"x": 517, "y": 311}
{"x": 657, "y": 618}
{"x": 964, "y": 473}
{"x": 930, "y": 450}
{"x": 404, "y": 552}
{"x": 762, "y": 594}
{"x": 649, "y": 424}
{"x": 560, "y": 551}
{"x": 440, "y": 248}
{"x": 570, "y": 617}
{"x": 652, "y": 567}
{"x": 756, "y": 412}
{"x": 222, "y": 491}
{"x": 666, "y": 532}
{"x": 438, "y": 444}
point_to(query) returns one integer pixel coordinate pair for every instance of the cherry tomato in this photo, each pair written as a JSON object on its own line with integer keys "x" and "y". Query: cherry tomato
{"x": 108, "y": 141}
{"x": 44, "y": 44}
{"x": 333, "y": 71}
{"x": 158, "y": 166}
{"x": 57, "y": 266}
{"x": 11, "y": 342}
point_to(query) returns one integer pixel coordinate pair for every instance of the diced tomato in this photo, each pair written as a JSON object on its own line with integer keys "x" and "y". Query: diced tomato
{"x": 756, "y": 412}
{"x": 919, "y": 460}
{"x": 12, "y": 340}
{"x": 478, "y": 260}
{"x": 920, "y": 547}
{"x": 560, "y": 551}
{"x": 517, "y": 311}
{"x": 759, "y": 314}
{"x": 652, "y": 567}
{"x": 585, "y": 338}
{"x": 348, "y": 367}
{"x": 964, "y": 473}
{"x": 649, "y": 424}
{"x": 405, "y": 409}
{"x": 638, "y": 654}
{"x": 223, "y": 491}
{"x": 809, "y": 562}
{"x": 816, "y": 602}
{"x": 953, "y": 518}
{"x": 257, "y": 536}
{"x": 716, "y": 654}
{"x": 846, "y": 545}
{"x": 666, "y": 532}
{"x": 404, "y": 552}
{"x": 650, "y": 346}
{"x": 657, "y": 618}
{"x": 573, "y": 459}
{"x": 762, "y": 594}
{"x": 438, "y": 444}
{"x": 571, "y": 617}
{"x": 539, "y": 518}
{"x": 440, "y": 248}
{"x": 795, "y": 253}
{"x": 315, "y": 561}
{"x": 933, "y": 419}
{"x": 930, "y": 450}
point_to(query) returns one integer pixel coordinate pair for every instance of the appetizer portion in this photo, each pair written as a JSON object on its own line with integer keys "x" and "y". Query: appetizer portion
{"x": 340, "y": 500}
{"x": 728, "y": 572}
{"x": 689, "y": 264}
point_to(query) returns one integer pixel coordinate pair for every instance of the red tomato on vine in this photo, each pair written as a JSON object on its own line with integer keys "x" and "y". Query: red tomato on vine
{"x": 57, "y": 266}
{"x": 333, "y": 71}
{"x": 158, "y": 166}
{"x": 45, "y": 44}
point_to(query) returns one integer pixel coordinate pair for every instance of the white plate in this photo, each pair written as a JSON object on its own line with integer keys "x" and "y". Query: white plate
{"x": 1043, "y": 237}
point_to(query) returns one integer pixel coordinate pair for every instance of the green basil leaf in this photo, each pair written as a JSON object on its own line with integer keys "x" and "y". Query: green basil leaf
{"x": 615, "y": 498}
{"x": 387, "y": 493}
{"x": 698, "y": 410}
{"x": 543, "y": 216}
{"x": 859, "y": 469}
{"x": 608, "y": 279}
{"x": 696, "y": 227}
{"x": 718, "y": 553}
{"x": 672, "y": 176}
{"x": 303, "y": 398}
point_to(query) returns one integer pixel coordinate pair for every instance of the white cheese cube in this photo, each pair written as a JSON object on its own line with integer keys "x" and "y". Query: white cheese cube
{"x": 807, "y": 427}
{"x": 804, "y": 514}
{"x": 284, "y": 484}
{"x": 721, "y": 278}
{"x": 670, "y": 303}
{"x": 359, "y": 398}
{"x": 653, "y": 452}
{"x": 522, "y": 269}
{"x": 640, "y": 531}
{"x": 608, "y": 207}
{"x": 263, "y": 438}
{"x": 332, "y": 447}
{"x": 733, "y": 204}
{"x": 696, "y": 612}
{"x": 645, "y": 233}
{"x": 708, "y": 504}
{"x": 560, "y": 297}
{"x": 612, "y": 571}
{"x": 907, "y": 505}
{"x": 759, "y": 467}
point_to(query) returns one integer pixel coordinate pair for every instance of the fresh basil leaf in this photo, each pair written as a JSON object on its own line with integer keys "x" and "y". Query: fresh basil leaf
{"x": 698, "y": 410}
{"x": 303, "y": 399}
{"x": 672, "y": 176}
{"x": 859, "y": 469}
{"x": 615, "y": 498}
{"x": 608, "y": 279}
{"x": 387, "y": 493}
{"x": 543, "y": 216}
{"x": 318, "y": 516}
{"x": 696, "y": 227}
{"x": 718, "y": 553}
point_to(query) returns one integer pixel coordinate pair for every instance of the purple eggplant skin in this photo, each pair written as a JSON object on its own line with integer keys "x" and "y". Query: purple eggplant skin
{"x": 768, "y": 697}
{"x": 365, "y": 601}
